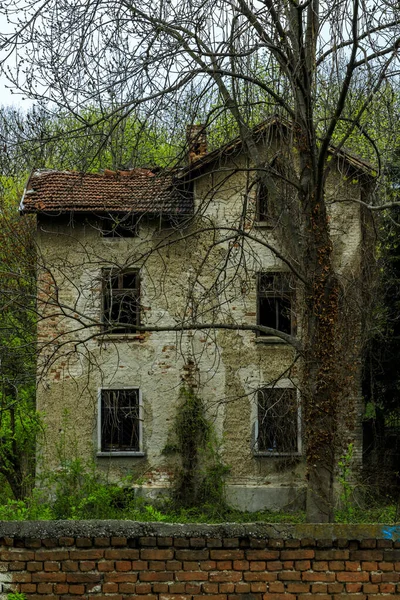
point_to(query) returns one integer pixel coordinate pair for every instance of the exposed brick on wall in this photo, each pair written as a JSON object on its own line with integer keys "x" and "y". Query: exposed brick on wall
{"x": 177, "y": 563}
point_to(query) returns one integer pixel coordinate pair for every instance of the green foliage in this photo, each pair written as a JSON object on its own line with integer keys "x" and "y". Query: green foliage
{"x": 346, "y": 494}
{"x": 200, "y": 475}
{"x": 16, "y": 596}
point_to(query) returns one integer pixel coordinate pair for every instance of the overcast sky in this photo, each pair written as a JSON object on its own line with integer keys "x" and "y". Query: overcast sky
{"x": 6, "y": 96}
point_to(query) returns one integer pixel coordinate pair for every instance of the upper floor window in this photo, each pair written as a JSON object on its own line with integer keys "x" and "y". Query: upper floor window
{"x": 263, "y": 208}
{"x": 119, "y": 420}
{"x": 278, "y": 421}
{"x": 274, "y": 302}
{"x": 121, "y": 301}
{"x": 119, "y": 226}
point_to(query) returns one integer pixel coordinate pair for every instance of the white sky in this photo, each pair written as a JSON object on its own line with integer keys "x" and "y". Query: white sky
{"x": 7, "y": 98}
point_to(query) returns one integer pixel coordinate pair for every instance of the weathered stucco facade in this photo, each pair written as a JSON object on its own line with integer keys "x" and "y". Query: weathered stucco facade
{"x": 191, "y": 268}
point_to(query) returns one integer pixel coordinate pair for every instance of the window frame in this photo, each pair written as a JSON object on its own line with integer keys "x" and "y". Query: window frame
{"x": 107, "y": 276}
{"x": 299, "y": 445}
{"x": 274, "y": 294}
{"x": 110, "y": 453}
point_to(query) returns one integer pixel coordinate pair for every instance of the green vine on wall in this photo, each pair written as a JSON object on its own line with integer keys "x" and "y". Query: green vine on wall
{"x": 199, "y": 478}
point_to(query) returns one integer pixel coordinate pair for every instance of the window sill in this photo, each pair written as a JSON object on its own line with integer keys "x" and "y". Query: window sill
{"x": 118, "y": 454}
{"x": 116, "y": 337}
{"x": 270, "y": 339}
{"x": 263, "y": 224}
{"x": 275, "y": 454}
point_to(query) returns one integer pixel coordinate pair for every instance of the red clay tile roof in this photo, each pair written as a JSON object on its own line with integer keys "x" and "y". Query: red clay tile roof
{"x": 138, "y": 191}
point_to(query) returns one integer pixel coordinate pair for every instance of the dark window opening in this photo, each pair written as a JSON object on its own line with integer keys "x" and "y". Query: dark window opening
{"x": 274, "y": 299}
{"x": 116, "y": 226}
{"x": 121, "y": 308}
{"x": 120, "y": 421}
{"x": 263, "y": 208}
{"x": 278, "y": 430}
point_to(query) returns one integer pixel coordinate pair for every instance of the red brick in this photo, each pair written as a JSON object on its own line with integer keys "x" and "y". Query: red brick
{"x": 76, "y": 589}
{"x": 197, "y": 542}
{"x": 257, "y": 565}
{"x": 173, "y": 565}
{"x": 289, "y": 576}
{"x": 69, "y": 565}
{"x": 257, "y": 576}
{"x": 209, "y": 588}
{"x": 165, "y": 541}
{"x": 155, "y": 554}
{"x": 358, "y": 576}
{"x": 17, "y": 555}
{"x": 52, "y": 577}
{"x": 105, "y": 565}
{"x": 241, "y": 565}
{"x": 139, "y": 565}
{"x": 193, "y": 576}
{"x": 354, "y": 588}
{"x": 143, "y": 588}
{"x": 127, "y": 588}
{"x": 386, "y": 566}
{"x": 120, "y": 577}
{"x": 322, "y": 577}
{"x": 274, "y": 565}
{"x": 371, "y": 543}
{"x": 109, "y": 588}
{"x": 303, "y": 565}
{"x": 119, "y": 541}
{"x": 60, "y": 588}
{"x": 332, "y": 555}
{"x": 157, "y": 565}
{"x": 191, "y": 588}
{"x": 177, "y": 588}
{"x": 51, "y": 566}
{"x": 66, "y": 541}
{"x": 123, "y": 565}
{"x": 44, "y": 588}
{"x": 191, "y": 565}
{"x": 244, "y": 588}
{"x": 16, "y": 566}
{"x": 387, "y": 588}
{"x": 94, "y": 554}
{"x": 83, "y": 543}
{"x": 370, "y": 588}
{"x": 83, "y": 577}
{"x": 292, "y": 543}
{"x": 258, "y": 587}
{"x": 101, "y": 542}
{"x": 262, "y": 554}
{"x": 51, "y": 555}
{"x": 182, "y": 543}
{"x": 226, "y": 588}
{"x": 297, "y": 554}
{"x": 335, "y": 588}
{"x": 285, "y": 596}
{"x": 366, "y": 555}
{"x": 22, "y": 577}
{"x": 210, "y": 597}
{"x": 207, "y": 565}
{"x": 192, "y": 554}
{"x": 221, "y": 576}
{"x": 321, "y": 565}
{"x": 223, "y": 565}
{"x": 276, "y": 586}
{"x": 123, "y": 554}
{"x": 33, "y": 543}
{"x": 34, "y": 566}
{"x": 352, "y": 565}
{"x": 369, "y": 566}
{"x": 298, "y": 588}
{"x": 226, "y": 554}
{"x": 155, "y": 576}
{"x": 147, "y": 541}
{"x": 160, "y": 587}
{"x": 319, "y": 588}
{"x": 28, "y": 588}
{"x": 336, "y": 565}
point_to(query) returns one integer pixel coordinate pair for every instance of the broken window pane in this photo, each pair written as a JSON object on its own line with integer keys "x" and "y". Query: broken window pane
{"x": 121, "y": 309}
{"x": 120, "y": 424}
{"x": 277, "y": 420}
{"x": 275, "y": 294}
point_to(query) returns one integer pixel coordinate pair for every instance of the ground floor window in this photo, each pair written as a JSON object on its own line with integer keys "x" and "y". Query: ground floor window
{"x": 119, "y": 420}
{"x": 278, "y": 428}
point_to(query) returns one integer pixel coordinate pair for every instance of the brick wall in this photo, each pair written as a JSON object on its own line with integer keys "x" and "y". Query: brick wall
{"x": 118, "y": 560}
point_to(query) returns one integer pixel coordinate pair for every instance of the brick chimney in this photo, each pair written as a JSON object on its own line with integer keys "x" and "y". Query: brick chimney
{"x": 196, "y": 136}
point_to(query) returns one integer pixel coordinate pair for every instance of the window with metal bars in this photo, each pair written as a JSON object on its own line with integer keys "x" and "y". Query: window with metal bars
{"x": 121, "y": 307}
{"x": 274, "y": 302}
{"x": 278, "y": 421}
{"x": 120, "y": 428}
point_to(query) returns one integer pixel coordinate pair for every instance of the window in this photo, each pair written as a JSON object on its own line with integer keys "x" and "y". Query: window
{"x": 119, "y": 421}
{"x": 121, "y": 301}
{"x": 278, "y": 421}
{"x": 119, "y": 226}
{"x": 263, "y": 208}
{"x": 274, "y": 302}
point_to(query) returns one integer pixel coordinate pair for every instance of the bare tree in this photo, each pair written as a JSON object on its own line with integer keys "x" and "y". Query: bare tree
{"x": 248, "y": 60}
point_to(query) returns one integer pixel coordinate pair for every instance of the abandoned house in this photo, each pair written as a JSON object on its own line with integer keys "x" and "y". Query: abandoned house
{"x": 128, "y": 260}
